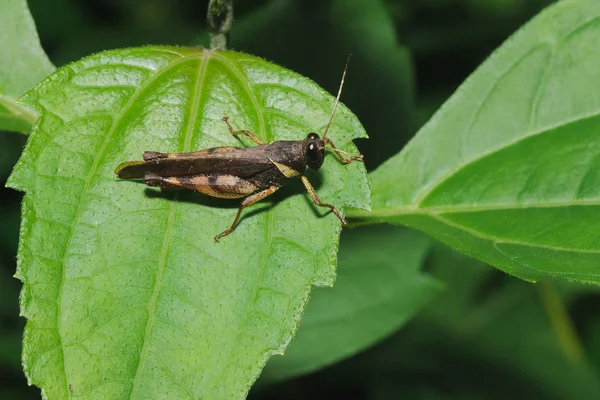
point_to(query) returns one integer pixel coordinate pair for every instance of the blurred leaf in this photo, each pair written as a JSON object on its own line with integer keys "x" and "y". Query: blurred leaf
{"x": 11, "y": 146}
{"x": 592, "y": 339}
{"x": 10, "y": 349}
{"x": 465, "y": 280}
{"x": 10, "y": 338}
{"x": 521, "y": 338}
{"x": 507, "y": 171}
{"x": 384, "y": 389}
{"x": 315, "y": 38}
{"x": 57, "y": 20}
{"x": 487, "y": 336}
{"x": 74, "y": 29}
{"x": 9, "y": 220}
{"x": 91, "y": 39}
{"x": 9, "y": 291}
{"x": 125, "y": 291}
{"x": 24, "y": 63}
{"x": 379, "y": 287}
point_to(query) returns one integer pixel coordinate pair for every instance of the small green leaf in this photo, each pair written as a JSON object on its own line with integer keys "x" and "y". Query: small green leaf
{"x": 508, "y": 170}
{"x": 379, "y": 287}
{"x": 24, "y": 64}
{"x": 125, "y": 291}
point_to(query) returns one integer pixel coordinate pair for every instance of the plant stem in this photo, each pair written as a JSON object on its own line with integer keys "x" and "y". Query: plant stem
{"x": 220, "y": 20}
{"x": 560, "y": 320}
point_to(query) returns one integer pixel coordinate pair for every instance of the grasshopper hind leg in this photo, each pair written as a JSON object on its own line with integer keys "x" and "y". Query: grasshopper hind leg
{"x": 156, "y": 180}
{"x": 223, "y": 186}
{"x": 220, "y": 186}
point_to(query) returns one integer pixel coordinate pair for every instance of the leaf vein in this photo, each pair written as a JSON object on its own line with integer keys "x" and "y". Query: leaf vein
{"x": 242, "y": 78}
{"x": 97, "y": 328}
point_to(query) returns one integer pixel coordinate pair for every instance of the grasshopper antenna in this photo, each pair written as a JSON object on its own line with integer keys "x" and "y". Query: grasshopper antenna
{"x": 337, "y": 100}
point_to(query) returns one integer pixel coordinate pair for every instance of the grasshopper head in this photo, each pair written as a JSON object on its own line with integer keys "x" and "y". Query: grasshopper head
{"x": 314, "y": 151}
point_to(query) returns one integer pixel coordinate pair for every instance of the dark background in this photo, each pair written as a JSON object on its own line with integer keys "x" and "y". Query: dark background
{"x": 489, "y": 336}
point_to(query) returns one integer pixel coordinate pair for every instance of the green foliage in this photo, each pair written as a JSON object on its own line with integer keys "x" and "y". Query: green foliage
{"x": 521, "y": 340}
{"x": 126, "y": 295}
{"x": 487, "y": 334}
{"x": 516, "y": 143}
{"x": 24, "y": 63}
{"x": 375, "y": 293}
{"x": 125, "y": 292}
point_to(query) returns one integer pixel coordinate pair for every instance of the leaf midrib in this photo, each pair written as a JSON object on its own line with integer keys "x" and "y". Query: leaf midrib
{"x": 397, "y": 211}
{"x": 189, "y": 133}
{"x": 248, "y": 88}
{"x": 495, "y": 239}
{"x": 269, "y": 216}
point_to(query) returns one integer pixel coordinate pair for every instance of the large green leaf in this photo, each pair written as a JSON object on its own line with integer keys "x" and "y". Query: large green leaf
{"x": 24, "y": 63}
{"x": 508, "y": 170}
{"x": 125, "y": 291}
{"x": 379, "y": 288}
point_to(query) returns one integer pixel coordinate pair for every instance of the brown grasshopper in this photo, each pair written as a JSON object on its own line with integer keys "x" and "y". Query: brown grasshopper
{"x": 233, "y": 172}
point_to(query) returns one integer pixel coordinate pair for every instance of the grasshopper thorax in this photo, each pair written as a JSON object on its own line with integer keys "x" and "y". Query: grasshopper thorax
{"x": 314, "y": 151}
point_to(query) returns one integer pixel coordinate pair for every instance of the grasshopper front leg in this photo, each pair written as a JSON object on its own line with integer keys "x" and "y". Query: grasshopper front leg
{"x": 248, "y": 201}
{"x": 339, "y": 153}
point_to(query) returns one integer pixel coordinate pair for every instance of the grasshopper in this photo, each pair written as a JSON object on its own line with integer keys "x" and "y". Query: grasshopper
{"x": 232, "y": 172}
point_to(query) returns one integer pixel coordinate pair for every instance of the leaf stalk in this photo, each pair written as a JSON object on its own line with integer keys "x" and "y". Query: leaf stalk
{"x": 560, "y": 320}
{"x": 220, "y": 21}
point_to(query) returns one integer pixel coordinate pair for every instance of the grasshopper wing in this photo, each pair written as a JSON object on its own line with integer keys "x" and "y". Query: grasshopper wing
{"x": 241, "y": 162}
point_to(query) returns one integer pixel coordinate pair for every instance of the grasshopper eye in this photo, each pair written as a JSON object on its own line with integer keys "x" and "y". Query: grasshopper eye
{"x": 314, "y": 155}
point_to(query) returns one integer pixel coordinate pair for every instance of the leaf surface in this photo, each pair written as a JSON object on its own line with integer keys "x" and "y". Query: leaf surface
{"x": 24, "y": 63}
{"x": 379, "y": 287}
{"x": 125, "y": 291}
{"x": 508, "y": 170}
